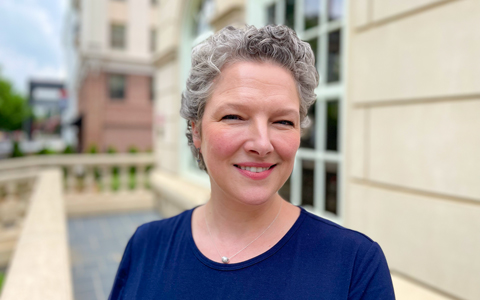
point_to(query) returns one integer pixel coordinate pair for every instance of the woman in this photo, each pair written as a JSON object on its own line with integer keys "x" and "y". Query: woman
{"x": 245, "y": 103}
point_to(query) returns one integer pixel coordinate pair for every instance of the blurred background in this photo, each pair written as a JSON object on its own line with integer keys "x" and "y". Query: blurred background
{"x": 92, "y": 144}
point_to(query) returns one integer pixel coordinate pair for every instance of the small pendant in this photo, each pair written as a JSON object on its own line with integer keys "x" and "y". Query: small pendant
{"x": 225, "y": 260}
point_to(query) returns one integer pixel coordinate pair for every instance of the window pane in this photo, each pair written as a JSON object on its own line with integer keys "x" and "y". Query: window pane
{"x": 331, "y": 185}
{"x": 153, "y": 40}
{"x": 202, "y": 18}
{"x": 290, "y": 13}
{"x": 314, "y": 44}
{"x": 117, "y": 36}
{"x": 333, "y": 71}
{"x": 308, "y": 170}
{"x": 152, "y": 88}
{"x": 284, "y": 191}
{"x": 271, "y": 14}
{"x": 332, "y": 125}
{"x": 308, "y": 134}
{"x": 116, "y": 86}
{"x": 335, "y": 9}
{"x": 311, "y": 12}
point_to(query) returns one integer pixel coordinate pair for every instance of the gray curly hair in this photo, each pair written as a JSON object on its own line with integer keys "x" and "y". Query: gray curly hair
{"x": 277, "y": 44}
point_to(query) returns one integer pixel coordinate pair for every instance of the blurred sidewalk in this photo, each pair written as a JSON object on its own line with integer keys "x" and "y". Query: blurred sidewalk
{"x": 96, "y": 248}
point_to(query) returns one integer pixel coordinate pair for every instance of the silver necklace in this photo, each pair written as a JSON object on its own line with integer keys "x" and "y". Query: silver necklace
{"x": 226, "y": 259}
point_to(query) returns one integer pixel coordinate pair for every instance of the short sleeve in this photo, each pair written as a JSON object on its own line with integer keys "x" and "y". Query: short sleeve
{"x": 122, "y": 273}
{"x": 371, "y": 277}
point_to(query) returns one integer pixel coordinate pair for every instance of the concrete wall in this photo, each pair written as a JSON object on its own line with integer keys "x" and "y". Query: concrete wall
{"x": 413, "y": 145}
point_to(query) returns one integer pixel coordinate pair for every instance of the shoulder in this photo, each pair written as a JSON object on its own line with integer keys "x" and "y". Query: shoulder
{"x": 162, "y": 229}
{"x": 354, "y": 252}
{"x": 330, "y": 238}
{"x": 326, "y": 229}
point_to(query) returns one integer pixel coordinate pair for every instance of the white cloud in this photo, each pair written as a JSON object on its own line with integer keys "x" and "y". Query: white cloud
{"x": 30, "y": 11}
{"x": 21, "y": 68}
{"x": 31, "y": 35}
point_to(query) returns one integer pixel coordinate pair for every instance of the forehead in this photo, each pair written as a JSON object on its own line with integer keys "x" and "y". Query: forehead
{"x": 255, "y": 81}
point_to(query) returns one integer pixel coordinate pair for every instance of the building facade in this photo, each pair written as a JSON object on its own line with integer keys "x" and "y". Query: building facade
{"x": 112, "y": 45}
{"x": 394, "y": 147}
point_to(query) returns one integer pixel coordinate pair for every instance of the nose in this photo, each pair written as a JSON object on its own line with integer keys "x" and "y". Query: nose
{"x": 259, "y": 142}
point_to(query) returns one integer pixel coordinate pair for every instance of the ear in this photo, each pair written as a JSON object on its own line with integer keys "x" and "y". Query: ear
{"x": 197, "y": 140}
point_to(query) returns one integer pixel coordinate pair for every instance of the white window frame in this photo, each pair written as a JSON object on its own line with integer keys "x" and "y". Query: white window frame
{"x": 257, "y": 15}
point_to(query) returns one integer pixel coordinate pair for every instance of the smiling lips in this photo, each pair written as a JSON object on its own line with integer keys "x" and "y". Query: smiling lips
{"x": 256, "y": 171}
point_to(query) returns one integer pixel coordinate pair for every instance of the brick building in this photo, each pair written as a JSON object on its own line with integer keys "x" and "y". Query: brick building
{"x": 111, "y": 72}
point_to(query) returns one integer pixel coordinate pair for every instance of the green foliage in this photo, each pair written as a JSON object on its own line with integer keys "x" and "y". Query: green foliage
{"x": 92, "y": 149}
{"x": 132, "y": 170}
{"x": 2, "y": 279}
{"x": 133, "y": 149}
{"x": 68, "y": 150}
{"x": 14, "y": 109}
{"x": 111, "y": 150}
{"x": 46, "y": 151}
{"x": 16, "y": 151}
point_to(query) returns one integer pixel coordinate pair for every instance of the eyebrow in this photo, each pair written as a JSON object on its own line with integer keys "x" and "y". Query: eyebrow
{"x": 241, "y": 106}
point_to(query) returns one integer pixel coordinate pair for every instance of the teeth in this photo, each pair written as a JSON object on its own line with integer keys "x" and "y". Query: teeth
{"x": 254, "y": 169}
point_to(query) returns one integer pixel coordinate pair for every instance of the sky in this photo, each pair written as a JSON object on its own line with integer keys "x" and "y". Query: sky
{"x": 31, "y": 42}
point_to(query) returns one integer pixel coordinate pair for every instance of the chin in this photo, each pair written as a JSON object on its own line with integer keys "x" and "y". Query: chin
{"x": 256, "y": 197}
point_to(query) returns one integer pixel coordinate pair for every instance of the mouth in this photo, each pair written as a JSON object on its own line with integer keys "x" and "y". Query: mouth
{"x": 255, "y": 169}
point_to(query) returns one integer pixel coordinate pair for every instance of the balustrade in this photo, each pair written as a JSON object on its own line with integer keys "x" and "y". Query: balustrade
{"x": 87, "y": 173}
{"x": 84, "y": 178}
{"x": 16, "y": 189}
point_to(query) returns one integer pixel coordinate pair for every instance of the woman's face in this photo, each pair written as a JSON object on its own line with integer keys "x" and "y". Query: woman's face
{"x": 250, "y": 132}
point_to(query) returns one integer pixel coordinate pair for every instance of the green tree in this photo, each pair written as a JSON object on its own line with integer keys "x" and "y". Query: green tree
{"x": 14, "y": 109}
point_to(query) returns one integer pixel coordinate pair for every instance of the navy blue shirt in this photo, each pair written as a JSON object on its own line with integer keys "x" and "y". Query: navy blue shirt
{"x": 316, "y": 259}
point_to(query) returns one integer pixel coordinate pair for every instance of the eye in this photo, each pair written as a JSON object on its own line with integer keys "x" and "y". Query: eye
{"x": 285, "y": 122}
{"x": 231, "y": 117}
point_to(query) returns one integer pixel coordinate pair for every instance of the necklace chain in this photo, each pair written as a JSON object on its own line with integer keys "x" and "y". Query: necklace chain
{"x": 225, "y": 259}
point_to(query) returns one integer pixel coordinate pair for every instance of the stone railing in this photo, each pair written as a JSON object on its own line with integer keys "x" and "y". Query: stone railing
{"x": 40, "y": 267}
{"x": 89, "y": 172}
{"x": 15, "y": 191}
{"x": 38, "y": 193}
{"x": 95, "y": 183}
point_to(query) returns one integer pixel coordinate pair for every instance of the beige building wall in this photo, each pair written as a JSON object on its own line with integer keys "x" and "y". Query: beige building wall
{"x": 175, "y": 42}
{"x": 413, "y": 142}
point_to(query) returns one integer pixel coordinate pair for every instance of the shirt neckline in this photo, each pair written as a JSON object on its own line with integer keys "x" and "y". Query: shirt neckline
{"x": 244, "y": 264}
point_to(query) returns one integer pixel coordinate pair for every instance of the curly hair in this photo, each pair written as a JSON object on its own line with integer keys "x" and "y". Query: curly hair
{"x": 276, "y": 44}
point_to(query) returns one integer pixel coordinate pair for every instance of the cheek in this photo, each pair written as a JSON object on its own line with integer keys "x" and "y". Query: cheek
{"x": 221, "y": 143}
{"x": 287, "y": 145}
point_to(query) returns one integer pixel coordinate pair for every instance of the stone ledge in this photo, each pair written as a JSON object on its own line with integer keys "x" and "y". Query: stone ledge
{"x": 174, "y": 195}
{"x": 8, "y": 241}
{"x": 406, "y": 289}
{"x": 100, "y": 204}
{"x": 40, "y": 268}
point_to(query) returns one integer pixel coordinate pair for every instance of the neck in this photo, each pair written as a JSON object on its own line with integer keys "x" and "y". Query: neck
{"x": 230, "y": 220}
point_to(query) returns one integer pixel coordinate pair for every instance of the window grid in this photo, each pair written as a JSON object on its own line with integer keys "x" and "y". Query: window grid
{"x": 118, "y": 36}
{"x": 117, "y": 87}
{"x": 326, "y": 162}
{"x": 153, "y": 40}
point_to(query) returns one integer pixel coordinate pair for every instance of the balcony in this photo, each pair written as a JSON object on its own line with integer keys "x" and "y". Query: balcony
{"x": 37, "y": 197}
